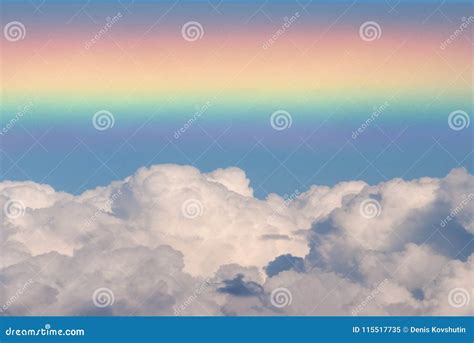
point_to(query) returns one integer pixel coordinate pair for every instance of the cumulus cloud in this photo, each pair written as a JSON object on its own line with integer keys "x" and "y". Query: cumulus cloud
{"x": 173, "y": 240}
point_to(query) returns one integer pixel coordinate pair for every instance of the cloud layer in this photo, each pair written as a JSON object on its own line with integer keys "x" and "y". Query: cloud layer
{"x": 172, "y": 240}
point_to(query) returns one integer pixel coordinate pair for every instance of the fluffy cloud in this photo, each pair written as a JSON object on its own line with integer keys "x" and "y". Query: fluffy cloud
{"x": 172, "y": 240}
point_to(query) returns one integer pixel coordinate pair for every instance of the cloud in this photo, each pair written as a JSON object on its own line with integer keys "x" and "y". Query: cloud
{"x": 172, "y": 240}
{"x": 238, "y": 287}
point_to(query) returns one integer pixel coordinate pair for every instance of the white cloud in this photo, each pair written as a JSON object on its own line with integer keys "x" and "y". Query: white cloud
{"x": 135, "y": 238}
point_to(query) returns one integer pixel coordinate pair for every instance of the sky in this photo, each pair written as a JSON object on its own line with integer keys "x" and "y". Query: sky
{"x": 236, "y": 158}
{"x": 239, "y": 70}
